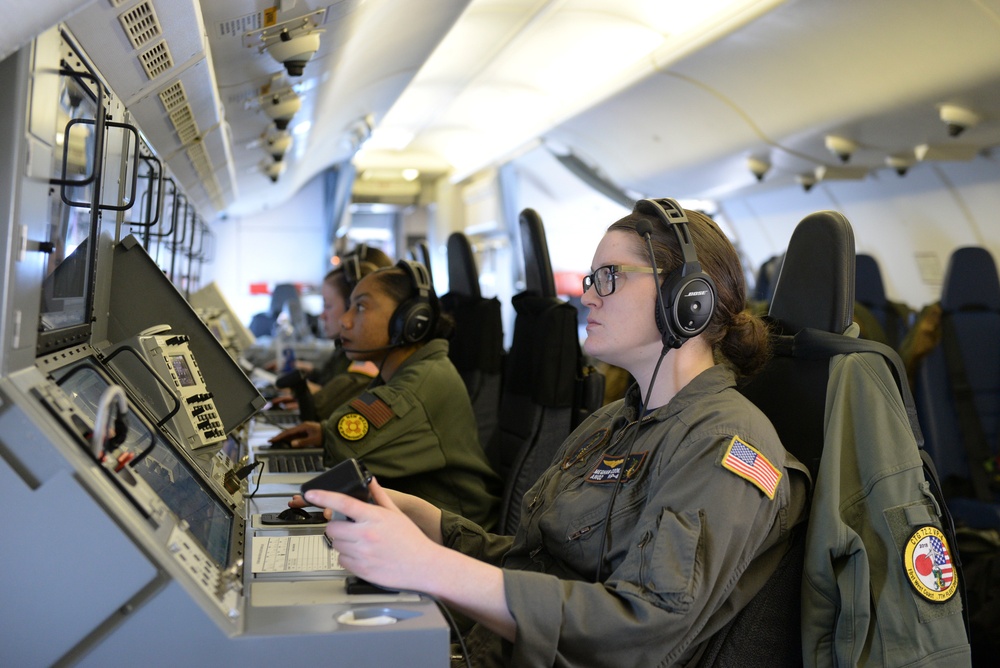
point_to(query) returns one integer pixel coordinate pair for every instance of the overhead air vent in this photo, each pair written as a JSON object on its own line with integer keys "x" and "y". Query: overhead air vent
{"x": 141, "y": 25}
{"x": 156, "y": 60}
{"x": 185, "y": 124}
{"x": 199, "y": 158}
{"x": 173, "y": 96}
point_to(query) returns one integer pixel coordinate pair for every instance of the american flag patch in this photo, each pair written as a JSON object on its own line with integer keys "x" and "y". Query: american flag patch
{"x": 748, "y": 463}
{"x": 373, "y": 408}
{"x": 942, "y": 560}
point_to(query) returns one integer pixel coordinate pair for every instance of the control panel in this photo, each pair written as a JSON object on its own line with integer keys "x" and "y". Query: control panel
{"x": 196, "y": 422}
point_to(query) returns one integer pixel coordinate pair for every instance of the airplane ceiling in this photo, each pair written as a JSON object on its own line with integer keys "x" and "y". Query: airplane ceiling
{"x": 769, "y": 81}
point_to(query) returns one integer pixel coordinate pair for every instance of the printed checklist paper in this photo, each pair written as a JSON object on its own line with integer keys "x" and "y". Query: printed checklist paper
{"x": 293, "y": 554}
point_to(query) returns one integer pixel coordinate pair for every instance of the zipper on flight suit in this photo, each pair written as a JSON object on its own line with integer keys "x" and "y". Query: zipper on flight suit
{"x": 582, "y": 456}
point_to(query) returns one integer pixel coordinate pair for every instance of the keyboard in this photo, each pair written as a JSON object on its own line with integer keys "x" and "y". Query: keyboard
{"x": 296, "y": 462}
{"x": 282, "y": 419}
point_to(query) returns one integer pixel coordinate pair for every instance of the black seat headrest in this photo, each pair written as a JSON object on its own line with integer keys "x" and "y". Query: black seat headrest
{"x": 463, "y": 277}
{"x": 816, "y": 285}
{"x": 868, "y": 287}
{"x": 538, "y": 274}
{"x": 422, "y": 254}
{"x": 970, "y": 281}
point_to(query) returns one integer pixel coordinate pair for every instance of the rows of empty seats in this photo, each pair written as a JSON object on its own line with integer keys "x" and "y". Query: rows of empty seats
{"x": 529, "y": 398}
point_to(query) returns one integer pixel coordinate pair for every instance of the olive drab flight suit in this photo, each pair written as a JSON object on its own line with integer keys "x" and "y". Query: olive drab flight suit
{"x": 341, "y": 388}
{"x": 689, "y": 542}
{"x": 417, "y": 434}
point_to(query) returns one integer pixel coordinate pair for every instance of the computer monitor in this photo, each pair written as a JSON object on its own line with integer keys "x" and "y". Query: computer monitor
{"x": 67, "y": 296}
{"x": 158, "y": 462}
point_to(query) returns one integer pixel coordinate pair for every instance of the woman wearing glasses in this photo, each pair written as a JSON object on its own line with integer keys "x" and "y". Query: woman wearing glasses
{"x": 662, "y": 514}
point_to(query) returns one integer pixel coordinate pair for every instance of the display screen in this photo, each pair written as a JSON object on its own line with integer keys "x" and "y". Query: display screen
{"x": 67, "y": 289}
{"x": 169, "y": 475}
{"x": 183, "y": 371}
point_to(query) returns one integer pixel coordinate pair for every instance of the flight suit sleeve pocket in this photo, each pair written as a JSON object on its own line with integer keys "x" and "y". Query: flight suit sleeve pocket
{"x": 671, "y": 561}
{"x": 927, "y": 575}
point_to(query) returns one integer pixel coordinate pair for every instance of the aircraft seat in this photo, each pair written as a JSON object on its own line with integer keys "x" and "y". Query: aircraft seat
{"x": 547, "y": 389}
{"x": 842, "y": 406}
{"x": 476, "y": 349}
{"x": 893, "y": 317}
{"x": 767, "y": 274}
{"x": 958, "y": 388}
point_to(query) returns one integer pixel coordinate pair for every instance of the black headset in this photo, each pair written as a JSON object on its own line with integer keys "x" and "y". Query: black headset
{"x": 352, "y": 270}
{"x": 413, "y": 319}
{"x": 686, "y": 300}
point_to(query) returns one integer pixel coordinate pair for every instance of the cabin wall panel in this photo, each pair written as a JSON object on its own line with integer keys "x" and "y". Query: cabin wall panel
{"x": 279, "y": 245}
{"x": 903, "y": 222}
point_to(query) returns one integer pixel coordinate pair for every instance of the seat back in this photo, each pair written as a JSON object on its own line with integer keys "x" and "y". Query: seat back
{"x": 547, "y": 389}
{"x": 842, "y": 406}
{"x": 958, "y": 383}
{"x": 893, "y": 318}
{"x": 767, "y": 276}
{"x": 476, "y": 348}
{"x": 815, "y": 289}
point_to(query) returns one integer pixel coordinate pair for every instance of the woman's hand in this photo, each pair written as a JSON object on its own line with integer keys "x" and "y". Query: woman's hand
{"x": 382, "y": 544}
{"x": 305, "y": 435}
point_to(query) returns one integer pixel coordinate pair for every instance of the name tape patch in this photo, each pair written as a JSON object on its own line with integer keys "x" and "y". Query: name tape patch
{"x": 610, "y": 468}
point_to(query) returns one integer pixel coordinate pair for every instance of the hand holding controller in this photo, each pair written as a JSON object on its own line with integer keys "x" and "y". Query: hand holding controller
{"x": 348, "y": 477}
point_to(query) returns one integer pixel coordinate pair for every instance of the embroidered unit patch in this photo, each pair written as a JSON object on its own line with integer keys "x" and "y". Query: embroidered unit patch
{"x": 748, "y": 463}
{"x": 353, "y": 427}
{"x": 373, "y": 408}
{"x": 927, "y": 561}
{"x": 609, "y": 469}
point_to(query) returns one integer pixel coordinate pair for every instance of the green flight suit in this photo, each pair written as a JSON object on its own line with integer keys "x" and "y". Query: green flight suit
{"x": 690, "y": 541}
{"x": 339, "y": 390}
{"x": 417, "y": 434}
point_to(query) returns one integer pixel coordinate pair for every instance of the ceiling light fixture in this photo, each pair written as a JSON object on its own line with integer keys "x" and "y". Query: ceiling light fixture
{"x": 292, "y": 43}
{"x": 841, "y": 147}
{"x": 281, "y": 106}
{"x": 957, "y": 119}
{"x": 900, "y": 163}
{"x": 758, "y": 167}
{"x": 807, "y": 181}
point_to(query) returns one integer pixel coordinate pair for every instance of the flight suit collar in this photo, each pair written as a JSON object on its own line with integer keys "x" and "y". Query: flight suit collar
{"x": 430, "y": 350}
{"x": 711, "y": 381}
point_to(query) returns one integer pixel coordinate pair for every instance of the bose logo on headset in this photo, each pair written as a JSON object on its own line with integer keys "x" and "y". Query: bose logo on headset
{"x": 685, "y": 301}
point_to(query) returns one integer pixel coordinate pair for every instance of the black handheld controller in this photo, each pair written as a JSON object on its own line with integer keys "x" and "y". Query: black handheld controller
{"x": 348, "y": 477}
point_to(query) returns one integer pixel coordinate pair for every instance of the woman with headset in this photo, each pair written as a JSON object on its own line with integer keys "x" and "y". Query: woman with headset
{"x": 661, "y": 515}
{"x": 413, "y": 426}
{"x": 341, "y": 378}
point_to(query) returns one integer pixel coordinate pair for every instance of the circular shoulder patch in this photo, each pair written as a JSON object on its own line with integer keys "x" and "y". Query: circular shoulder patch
{"x": 353, "y": 427}
{"x": 927, "y": 560}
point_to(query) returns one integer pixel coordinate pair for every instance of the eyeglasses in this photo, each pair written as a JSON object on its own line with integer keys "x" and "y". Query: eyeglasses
{"x": 603, "y": 278}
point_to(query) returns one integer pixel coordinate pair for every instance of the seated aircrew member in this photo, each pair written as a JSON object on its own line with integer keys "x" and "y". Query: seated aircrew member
{"x": 414, "y": 425}
{"x": 661, "y": 516}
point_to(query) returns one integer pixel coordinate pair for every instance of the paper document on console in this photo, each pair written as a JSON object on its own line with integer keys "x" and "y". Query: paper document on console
{"x": 293, "y": 554}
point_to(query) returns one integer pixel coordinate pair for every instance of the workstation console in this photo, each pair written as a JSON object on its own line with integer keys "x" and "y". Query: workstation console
{"x": 133, "y": 533}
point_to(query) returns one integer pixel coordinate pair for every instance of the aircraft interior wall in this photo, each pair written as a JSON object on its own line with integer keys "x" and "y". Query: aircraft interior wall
{"x": 909, "y": 224}
{"x": 283, "y": 244}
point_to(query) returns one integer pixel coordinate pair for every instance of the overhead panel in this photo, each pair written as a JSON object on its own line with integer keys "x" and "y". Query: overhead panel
{"x": 156, "y": 60}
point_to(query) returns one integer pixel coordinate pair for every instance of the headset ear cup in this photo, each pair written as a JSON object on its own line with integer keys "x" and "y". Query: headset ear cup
{"x": 663, "y": 327}
{"x": 693, "y": 305}
{"x": 413, "y": 319}
{"x": 411, "y": 322}
{"x": 418, "y": 323}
